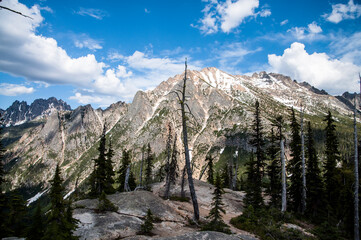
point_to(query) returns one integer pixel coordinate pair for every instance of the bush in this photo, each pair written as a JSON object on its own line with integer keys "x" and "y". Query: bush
{"x": 105, "y": 205}
{"x": 147, "y": 227}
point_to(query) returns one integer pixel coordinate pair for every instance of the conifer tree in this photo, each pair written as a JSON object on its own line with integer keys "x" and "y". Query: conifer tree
{"x": 332, "y": 173}
{"x": 3, "y": 203}
{"x": 58, "y": 226}
{"x": 123, "y": 170}
{"x": 257, "y": 140}
{"x": 225, "y": 176}
{"x": 149, "y": 167}
{"x": 172, "y": 169}
{"x": 215, "y": 214}
{"x": 17, "y": 213}
{"x": 99, "y": 175}
{"x": 109, "y": 172}
{"x": 36, "y": 229}
{"x": 274, "y": 171}
{"x": 253, "y": 185}
{"x": 315, "y": 189}
{"x": 210, "y": 178}
{"x": 147, "y": 227}
{"x": 295, "y": 189}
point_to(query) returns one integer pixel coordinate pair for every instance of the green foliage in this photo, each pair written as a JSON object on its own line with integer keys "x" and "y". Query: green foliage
{"x": 109, "y": 172}
{"x": 274, "y": 171}
{"x": 332, "y": 174}
{"x": 147, "y": 227}
{"x": 15, "y": 221}
{"x": 148, "y": 167}
{"x": 315, "y": 188}
{"x": 123, "y": 170}
{"x": 104, "y": 204}
{"x": 253, "y": 185}
{"x": 60, "y": 223}
{"x": 210, "y": 178}
{"x": 225, "y": 175}
{"x": 36, "y": 229}
{"x": 216, "y": 223}
{"x": 294, "y": 166}
{"x": 267, "y": 224}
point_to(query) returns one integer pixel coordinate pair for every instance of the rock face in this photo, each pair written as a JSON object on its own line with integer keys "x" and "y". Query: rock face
{"x": 222, "y": 107}
{"x": 20, "y": 112}
{"x": 172, "y": 217}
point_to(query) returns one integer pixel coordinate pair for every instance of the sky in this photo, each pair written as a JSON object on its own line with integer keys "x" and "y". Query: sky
{"x": 100, "y": 52}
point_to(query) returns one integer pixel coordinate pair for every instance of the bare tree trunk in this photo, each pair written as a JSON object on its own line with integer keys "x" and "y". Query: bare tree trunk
{"x": 203, "y": 171}
{"x": 126, "y": 183}
{"x": 304, "y": 196}
{"x": 183, "y": 195}
{"x": 167, "y": 179}
{"x": 356, "y": 193}
{"x": 186, "y": 149}
{"x": 284, "y": 200}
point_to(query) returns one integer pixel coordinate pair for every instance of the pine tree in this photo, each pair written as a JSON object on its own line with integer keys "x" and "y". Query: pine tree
{"x": 99, "y": 175}
{"x": 257, "y": 140}
{"x": 36, "y": 229}
{"x": 58, "y": 226}
{"x": 253, "y": 185}
{"x": 123, "y": 170}
{"x": 274, "y": 171}
{"x": 173, "y": 168}
{"x": 225, "y": 175}
{"x": 17, "y": 213}
{"x": 104, "y": 204}
{"x": 294, "y": 166}
{"x": 332, "y": 174}
{"x": 109, "y": 172}
{"x": 147, "y": 227}
{"x": 315, "y": 189}
{"x": 210, "y": 178}
{"x": 149, "y": 167}
{"x": 215, "y": 214}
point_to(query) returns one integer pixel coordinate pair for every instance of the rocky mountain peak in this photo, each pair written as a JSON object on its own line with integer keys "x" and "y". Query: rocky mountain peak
{"x": 20, "y": 112}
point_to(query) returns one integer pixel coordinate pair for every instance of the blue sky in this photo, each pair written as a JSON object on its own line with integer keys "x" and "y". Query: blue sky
{"x": 100, "y": 52}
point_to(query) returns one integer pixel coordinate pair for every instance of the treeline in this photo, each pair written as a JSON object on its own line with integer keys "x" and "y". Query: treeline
{"x": 310, "y": 188}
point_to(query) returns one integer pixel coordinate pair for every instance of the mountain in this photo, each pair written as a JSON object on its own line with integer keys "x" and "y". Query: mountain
{"x": 20, "y": 112}
{"x": 222, "y": 108}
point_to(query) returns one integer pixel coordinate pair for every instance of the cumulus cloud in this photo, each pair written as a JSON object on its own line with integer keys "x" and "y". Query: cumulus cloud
{"x": 228, "y": 15}
{"x": 343, "y": 11}
{"x": 91, "y": 12}
{"x": 8, "y": 89}
{"x": 310, "y": 33}
{"x": 318, "y": 69}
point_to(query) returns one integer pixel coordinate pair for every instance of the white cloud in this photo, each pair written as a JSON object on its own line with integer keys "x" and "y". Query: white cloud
{"x": 348, "y": 48}
{"x": 228, "y": 15}
{"x": 146, "y": 10}
{"x": 284, "y": 22}
{"x": 318, "y": 69}
{"x": 9, "y": 89}
{"x": 343, "y": 11}
{"x": 310, "y": 33}
{"x": 38, "y": 58}
{"x": 115, "y": 56}
{"x": 91, "y": 12}
{"x": 88, "y": 99}
{"x": 83, "y": 41}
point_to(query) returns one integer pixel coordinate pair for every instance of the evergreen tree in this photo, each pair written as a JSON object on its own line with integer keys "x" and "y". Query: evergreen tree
{"x": 210, "y": 178}
{"x": 149, "y": 167}
{"x": 257, "y": 140}
{"x": 253, "y": 185}
{"x": 315, "y": 189}
{"x": 132, "y": 184}
{"x": 274, "y": 171}
{"x": 109, "y": 172}
{"x": 36, "y": 229}
{"x": 123, "y": 170}
{"x": 332, "y": 174}
{"x": 225, "y": 175}
{"x": 99, "y": 175}
{"x": 17, "y": 213}
{"x": 60, "y": 223}
{"x": 147, "y": 227}
{"x": 104, "y": 204}
{"x": 294, "y": 166}
{"x": 216, "y": 222}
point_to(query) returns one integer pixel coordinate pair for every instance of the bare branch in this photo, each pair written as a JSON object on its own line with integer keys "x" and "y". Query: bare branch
{"x": 11, "y": 10}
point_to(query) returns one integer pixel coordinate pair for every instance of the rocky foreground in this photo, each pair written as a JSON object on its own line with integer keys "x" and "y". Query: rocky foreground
{"x": 173, "y": 217}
